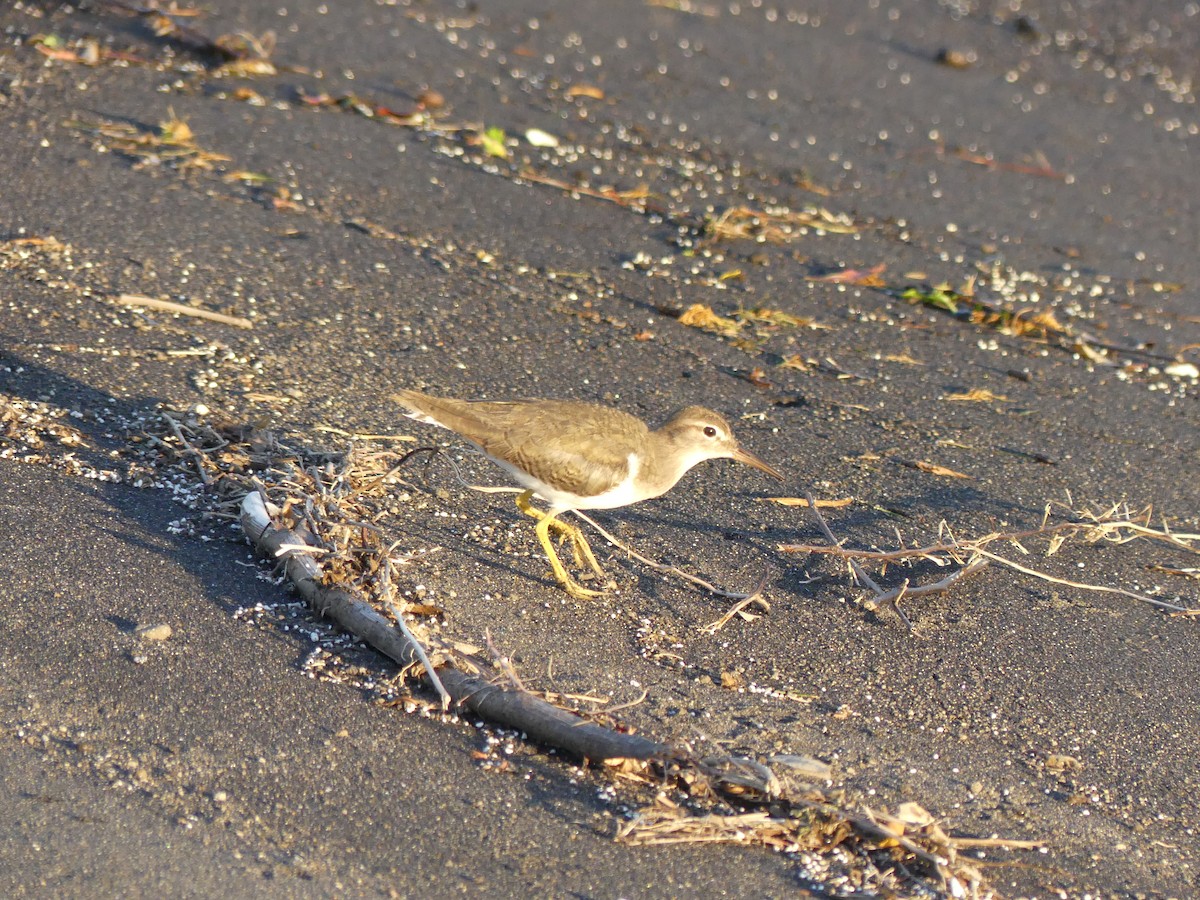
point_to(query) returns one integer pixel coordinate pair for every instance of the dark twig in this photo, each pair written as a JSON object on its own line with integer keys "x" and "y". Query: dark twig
{"x": 861, "y": 578}
{"x": 895, "y": 595}
{"x": 185, "y": 35}
{"x": 541, "y": 721}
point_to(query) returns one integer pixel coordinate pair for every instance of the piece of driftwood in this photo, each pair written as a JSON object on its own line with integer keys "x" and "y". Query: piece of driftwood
{"x": 540, "y": 721}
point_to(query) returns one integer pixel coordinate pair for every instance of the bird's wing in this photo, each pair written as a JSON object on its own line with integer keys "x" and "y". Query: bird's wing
{"x": 568, "y": 445}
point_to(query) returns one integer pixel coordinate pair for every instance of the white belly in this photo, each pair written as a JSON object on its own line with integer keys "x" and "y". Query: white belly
{"x": 622, "y": 494}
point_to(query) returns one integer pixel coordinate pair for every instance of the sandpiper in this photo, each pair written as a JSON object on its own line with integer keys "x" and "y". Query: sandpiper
{"x": 577, "y": 456}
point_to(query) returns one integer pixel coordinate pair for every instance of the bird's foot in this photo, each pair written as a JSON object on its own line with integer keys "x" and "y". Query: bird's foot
{"x": 580, "y": 548}
{"x": 578, "y": 591}
{"x": 584, "y": 556}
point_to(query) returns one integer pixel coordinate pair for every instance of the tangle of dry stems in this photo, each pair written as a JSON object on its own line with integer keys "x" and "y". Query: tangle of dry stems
{"x": 1114, "y": 525}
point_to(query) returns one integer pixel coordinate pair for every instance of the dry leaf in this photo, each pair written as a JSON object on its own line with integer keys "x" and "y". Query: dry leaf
{"x": 700, "y": 316}
{"x": 914, "y": 814}
{"x": 865, "y": 277}
{"x": 934, "y": 469}
{"x": 976, "y": 395}
{"x": 585, "y": 90}
{"x": 422, "y": 609}
{"x": 903, "y": 358}
{"x": 1059, "y": 762}
{"x": 758, "y": 378}
{"x": 733, "y": 680}
{"x": 803, "y": 501}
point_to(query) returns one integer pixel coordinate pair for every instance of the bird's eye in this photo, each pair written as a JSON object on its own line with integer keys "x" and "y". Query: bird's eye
{"x": 709, "y": 431}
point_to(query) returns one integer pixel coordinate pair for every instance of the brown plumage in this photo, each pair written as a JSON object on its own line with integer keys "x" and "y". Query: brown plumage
{"x": 581, "y": 449}
{"x": 582, "y": 456}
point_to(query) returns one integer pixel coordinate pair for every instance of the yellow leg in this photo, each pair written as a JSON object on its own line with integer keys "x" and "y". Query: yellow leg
{"x": 579, "y": 544}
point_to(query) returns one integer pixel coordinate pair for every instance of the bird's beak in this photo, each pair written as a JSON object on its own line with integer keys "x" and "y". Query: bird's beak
{"x": 745, "y": 456}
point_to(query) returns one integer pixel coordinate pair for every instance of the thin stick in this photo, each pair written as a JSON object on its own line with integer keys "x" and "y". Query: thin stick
{"x": 662, "y": 567}
{"x": 937, "y": 587}
{"x": 957, "y": 548}
{"x": 899, "y": 595}
{"x": 1180, "y": 541}
{"x": 398, "y": 614}
{"x": 181, "y": 309}
{"x": 396, "y": 468}
{"x": 628, "y": 704}
{"x": 430, "y": 671}
{"x": 364, "y": 436}
{"x": 883, "y": 555}
{"x": 502, "y": 662}
{"x": 284, "y": 549}
{"x": 756, "y": 597}
{"x": 860, "y": 575}
{"x": 964, "y": 843}
{"x": 1161, "y": 604}
{"x": 895, "y": 595}
{"x": 197, "y": 456}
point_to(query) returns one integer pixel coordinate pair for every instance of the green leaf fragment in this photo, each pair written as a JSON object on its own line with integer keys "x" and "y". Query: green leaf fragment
{"x": 493, "y": 142}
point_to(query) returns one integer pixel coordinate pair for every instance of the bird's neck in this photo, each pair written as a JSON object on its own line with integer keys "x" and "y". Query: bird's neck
{"x": 667, "y": 459}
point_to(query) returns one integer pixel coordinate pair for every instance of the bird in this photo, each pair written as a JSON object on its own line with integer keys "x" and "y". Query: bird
{"x": 581, "y": 456}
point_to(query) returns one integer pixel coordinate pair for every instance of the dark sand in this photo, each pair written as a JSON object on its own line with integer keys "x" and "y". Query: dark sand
{"x": 378, "y": 256}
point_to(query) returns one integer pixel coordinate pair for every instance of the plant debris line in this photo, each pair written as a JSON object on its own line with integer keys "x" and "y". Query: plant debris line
{"x": 817, "y": 824}
{"x": 1030, "y": 322}
{"x": 171, "y": 142}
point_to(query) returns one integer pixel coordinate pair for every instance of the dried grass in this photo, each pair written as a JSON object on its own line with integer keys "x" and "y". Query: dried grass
{"x": 1114, "y": 525}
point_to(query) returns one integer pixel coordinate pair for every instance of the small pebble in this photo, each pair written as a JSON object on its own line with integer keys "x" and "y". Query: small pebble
{"x": 539, "y": 138}
{"x": 154, "y": 632}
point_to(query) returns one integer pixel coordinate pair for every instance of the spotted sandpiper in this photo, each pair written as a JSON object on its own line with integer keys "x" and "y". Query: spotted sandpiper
{"x": 577, "y": 456}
